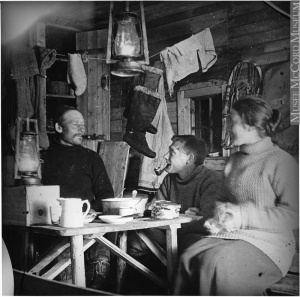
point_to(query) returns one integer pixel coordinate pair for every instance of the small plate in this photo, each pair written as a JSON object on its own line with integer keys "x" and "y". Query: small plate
{"x": 114, "y": 219}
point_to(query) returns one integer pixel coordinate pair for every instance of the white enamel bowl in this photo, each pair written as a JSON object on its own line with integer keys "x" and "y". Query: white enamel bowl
{"x": 114, "y": 219}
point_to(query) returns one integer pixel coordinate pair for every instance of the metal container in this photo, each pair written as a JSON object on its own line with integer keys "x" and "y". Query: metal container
{"x": 112, "y": 206}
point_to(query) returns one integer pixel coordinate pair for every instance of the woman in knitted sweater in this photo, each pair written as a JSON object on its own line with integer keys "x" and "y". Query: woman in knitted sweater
{"x": 251, "y": 245}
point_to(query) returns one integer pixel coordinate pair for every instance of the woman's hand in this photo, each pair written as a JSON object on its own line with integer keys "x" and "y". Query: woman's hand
{"x": 229, "y": 216}
{"x": 193, "y": 211}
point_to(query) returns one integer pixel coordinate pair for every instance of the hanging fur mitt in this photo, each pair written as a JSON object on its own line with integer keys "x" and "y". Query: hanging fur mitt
{"x": 76, "y": 74}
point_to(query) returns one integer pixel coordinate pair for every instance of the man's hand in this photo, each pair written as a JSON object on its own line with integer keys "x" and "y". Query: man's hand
{"x": 193, "y": 211}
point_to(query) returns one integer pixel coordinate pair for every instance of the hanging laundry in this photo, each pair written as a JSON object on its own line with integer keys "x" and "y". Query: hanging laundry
{"x": 182, "y": 58}
{"x": 45, "y": 58}
{"x": 141, "y": 111}
{"x": 23, "y": 67}
{"x": 159, "y": 142}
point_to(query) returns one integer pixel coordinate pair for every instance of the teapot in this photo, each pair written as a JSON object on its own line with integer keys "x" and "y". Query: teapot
{"x": 71, "y": 213}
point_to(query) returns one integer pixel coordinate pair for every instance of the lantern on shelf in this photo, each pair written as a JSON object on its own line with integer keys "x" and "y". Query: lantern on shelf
{"x": 27, "y": 153}
{"x": 127, "y": 46}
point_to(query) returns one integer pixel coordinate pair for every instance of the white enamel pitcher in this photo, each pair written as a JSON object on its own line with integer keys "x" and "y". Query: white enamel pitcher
{"x": 71, "y": 213}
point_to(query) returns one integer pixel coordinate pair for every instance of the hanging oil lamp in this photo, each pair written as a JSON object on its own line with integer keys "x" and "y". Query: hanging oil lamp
{"x": 27, "y": 156}
{"x": 127, "y": 46}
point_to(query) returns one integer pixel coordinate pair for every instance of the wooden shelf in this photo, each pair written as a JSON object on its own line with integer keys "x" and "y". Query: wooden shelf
{"x": 61, "y": 96}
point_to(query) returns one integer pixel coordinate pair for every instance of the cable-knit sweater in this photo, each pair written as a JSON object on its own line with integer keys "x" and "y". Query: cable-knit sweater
{"x": 264, "y": 181}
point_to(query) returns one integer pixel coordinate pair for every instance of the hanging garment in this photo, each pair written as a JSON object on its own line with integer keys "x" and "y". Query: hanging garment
{"x": 76, "y": 76}
{"x": 159, "y": 142}
{"x": 23, "y": 67}
{"x": 141, "y": 111}
{"x": 45, "y": 58}
{"x": 182, "y": 59}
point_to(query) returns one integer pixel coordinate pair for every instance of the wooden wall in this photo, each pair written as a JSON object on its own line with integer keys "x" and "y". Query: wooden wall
{"x": 241, "y": 30}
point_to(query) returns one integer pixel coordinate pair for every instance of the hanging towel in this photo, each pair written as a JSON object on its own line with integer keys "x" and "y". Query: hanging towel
{"x": 158, "y": 142}
{"x": 76, "y": 74}
{"x": 182, "y": 59}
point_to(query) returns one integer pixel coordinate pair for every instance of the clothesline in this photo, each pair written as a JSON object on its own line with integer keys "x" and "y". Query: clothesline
{"x": 85, "y": 57}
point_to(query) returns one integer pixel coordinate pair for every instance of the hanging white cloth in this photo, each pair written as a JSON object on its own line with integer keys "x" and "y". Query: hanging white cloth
{"x": 182, "y": 58}
{"x": 159, "y": 143}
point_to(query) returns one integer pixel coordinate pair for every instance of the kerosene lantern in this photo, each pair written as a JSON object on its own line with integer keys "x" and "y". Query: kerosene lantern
{"x": 27, "y": 153}
{"x": 127, "y": 42}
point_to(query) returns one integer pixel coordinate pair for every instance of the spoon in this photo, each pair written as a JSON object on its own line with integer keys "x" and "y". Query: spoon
{"x": 121, "y": 193}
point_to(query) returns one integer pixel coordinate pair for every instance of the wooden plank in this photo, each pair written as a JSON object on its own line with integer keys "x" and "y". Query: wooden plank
{"x": 37, "y": 35}
{"x": 153, "y": 246}
{"x": 97, "y": 226}
{"x": 259, "y": 38}
{"x": 115, "y": 157}
{"x": 121, "y": 264}
{"x": 132, "y": 262}
{"x": 116, "y": 126}
{"x": 77, "y": 260}
{"x": 217, "y": 163}
{"x": 172, "y": 251}
{"x": 218, "y": 32}
{"x": 31, "y": 285}
{"x": 205, "y": 84}
{"x": 244, "y": 15}
{"x": 184, "y": 115}
{"x": 116, "y": 113}
{"x": 187, "y": 26}
{"x": 203, "y": 91}
{"x": 63, "y": 263}
{"x": 49, "y": 256}
{"x": 287, "y": 285}
{"x": 90, "y": 144}
{"x": 91, "y": 40}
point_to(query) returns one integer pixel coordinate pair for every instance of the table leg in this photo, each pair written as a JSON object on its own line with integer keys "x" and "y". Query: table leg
{"x": 121, "y": 265}
{"x": 77, "y": 260}
{"x": 172, "y": 250}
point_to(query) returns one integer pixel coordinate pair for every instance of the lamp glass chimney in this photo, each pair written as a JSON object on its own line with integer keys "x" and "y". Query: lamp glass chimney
{"x": 127, "y": 43}
{"x": 28, "y": 160}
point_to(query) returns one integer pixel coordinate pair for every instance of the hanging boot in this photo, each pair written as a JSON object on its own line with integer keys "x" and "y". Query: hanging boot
{"x": 151, "y": 81}
{"x": 143, "y": 108}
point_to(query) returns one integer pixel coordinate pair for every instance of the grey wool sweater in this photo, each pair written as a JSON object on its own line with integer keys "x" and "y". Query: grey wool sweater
{"x": 264, "y": 181}
{"x": 199, "y": 189}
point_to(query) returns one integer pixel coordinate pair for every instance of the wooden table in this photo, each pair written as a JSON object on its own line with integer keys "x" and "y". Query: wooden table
{"x": 82, "y": 238}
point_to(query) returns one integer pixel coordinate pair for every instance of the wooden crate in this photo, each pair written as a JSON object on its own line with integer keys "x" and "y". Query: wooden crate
{"x": 25, "y": 206}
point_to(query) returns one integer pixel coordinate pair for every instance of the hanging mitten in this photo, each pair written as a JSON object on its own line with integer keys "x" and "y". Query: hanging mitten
{"x": 76, "y": 74}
